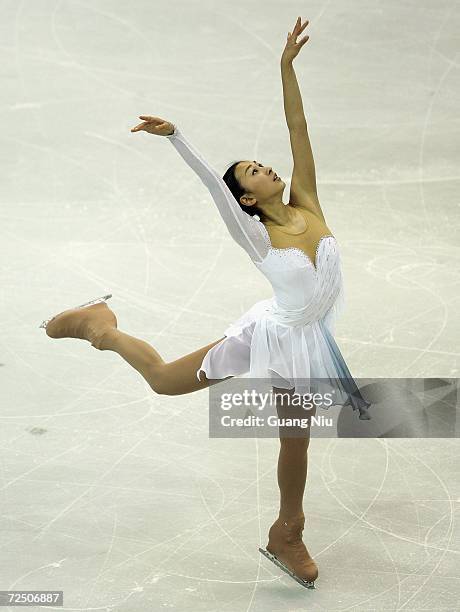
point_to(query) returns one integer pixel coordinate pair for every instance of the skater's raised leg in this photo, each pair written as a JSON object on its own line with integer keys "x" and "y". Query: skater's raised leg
{"x": 98, "y": 325}
{"x": 166, "y": 378}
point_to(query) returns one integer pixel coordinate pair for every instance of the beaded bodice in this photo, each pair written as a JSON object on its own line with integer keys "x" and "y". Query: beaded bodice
{"x": 303, "y": 288}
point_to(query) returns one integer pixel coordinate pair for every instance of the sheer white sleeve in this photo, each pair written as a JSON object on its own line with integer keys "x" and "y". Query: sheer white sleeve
{"x": 245, "y": 230}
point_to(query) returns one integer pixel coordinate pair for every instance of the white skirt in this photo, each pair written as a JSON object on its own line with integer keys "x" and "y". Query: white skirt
{"x": 288, "y": 356}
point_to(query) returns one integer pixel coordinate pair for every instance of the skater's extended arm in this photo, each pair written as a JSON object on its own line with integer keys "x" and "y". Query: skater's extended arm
{"x": 303, "y": 182}
{"x": 245, "y": 230}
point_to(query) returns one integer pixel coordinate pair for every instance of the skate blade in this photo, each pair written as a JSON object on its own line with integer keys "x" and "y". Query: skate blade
{"x": 96, "y": 301}
{"x": 305, "y": 583}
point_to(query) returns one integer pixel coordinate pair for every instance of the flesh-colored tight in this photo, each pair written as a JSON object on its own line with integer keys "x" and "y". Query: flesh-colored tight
{"x": 179, "y": 377}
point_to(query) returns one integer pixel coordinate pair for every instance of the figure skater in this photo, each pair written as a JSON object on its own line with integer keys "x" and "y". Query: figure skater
{"x": 283, "y": 338}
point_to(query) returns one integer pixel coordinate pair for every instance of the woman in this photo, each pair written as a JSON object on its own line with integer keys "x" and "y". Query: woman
{"x": 283, "y": 338}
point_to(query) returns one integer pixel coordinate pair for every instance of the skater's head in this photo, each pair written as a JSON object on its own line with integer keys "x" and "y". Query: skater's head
{"x": 254, "y": 186}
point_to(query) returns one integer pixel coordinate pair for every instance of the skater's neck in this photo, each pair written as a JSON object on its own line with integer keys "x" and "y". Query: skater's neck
{"x": 277, "y": 214}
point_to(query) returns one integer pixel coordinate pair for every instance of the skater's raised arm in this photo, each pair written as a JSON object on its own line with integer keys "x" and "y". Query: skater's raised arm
{"x": 303, "y": 182}
{"x": 245, "y": 230}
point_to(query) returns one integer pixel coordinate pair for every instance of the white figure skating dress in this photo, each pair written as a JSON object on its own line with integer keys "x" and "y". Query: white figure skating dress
{"x": 287, "y": 338}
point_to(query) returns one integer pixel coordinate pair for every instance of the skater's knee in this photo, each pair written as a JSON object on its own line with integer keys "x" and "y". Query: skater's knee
{"x": 159, "y": 381}
{"x": 162, "y": 388}
{"x": 163, "y": 379}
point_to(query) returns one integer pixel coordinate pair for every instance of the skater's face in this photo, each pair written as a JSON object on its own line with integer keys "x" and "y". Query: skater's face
{"x": 260, "y": 182}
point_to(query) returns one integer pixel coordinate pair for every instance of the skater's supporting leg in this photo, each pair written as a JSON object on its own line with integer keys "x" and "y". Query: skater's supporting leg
{"x": 173, "y": 378}
{"x": 292, "y": 475}
{"x": 285, "y": 544}
{"x": 292, "y": 460}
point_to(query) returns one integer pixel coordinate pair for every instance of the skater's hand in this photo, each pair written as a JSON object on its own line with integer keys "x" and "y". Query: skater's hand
{"x": 292, "y": 47}
{"x": 154, "y": 125}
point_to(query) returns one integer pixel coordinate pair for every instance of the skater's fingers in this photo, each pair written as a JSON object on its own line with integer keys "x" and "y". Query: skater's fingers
{"x": 138, "y": 127}
{"x": 151, "y": 119}
{"x": 299, "y": 28}
{"x": 154, "y": 125}
{"x": 303, "y": 27}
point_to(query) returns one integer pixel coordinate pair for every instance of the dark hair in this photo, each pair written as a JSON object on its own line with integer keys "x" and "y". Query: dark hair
{"x": 237, "y": 190}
